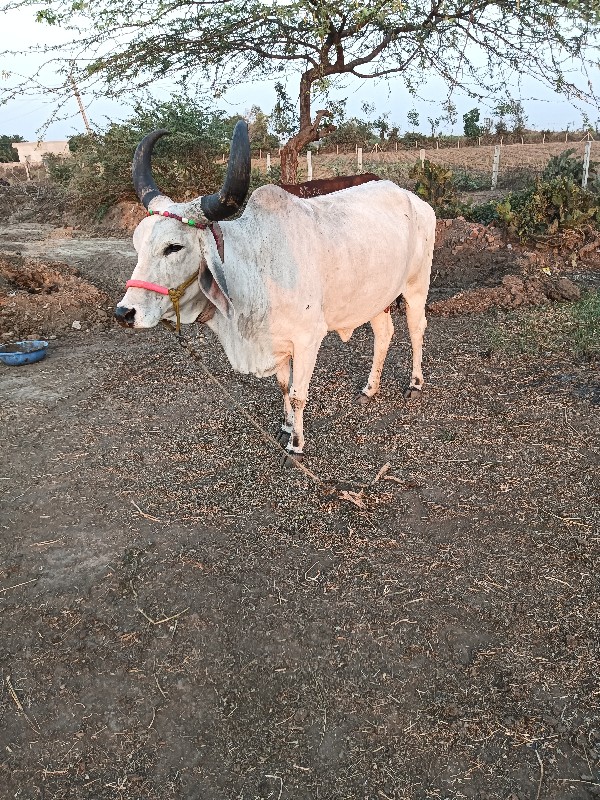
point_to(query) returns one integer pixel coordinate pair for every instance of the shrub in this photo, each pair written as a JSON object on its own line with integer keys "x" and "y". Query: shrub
{"x": 98, "y": 174}
{"x": 470, "y": 181}
{"x": 435, "y": 184}
{"x": 552, "y": 205}
{"x": 485, "y": 213}
{"x": 568, "y": 165}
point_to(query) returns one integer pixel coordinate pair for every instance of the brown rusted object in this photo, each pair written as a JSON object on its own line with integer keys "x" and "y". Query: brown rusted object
{"x": 328, "y": 185}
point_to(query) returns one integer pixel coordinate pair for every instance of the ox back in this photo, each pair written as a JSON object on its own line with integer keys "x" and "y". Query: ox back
{"x": 328, "y": 185}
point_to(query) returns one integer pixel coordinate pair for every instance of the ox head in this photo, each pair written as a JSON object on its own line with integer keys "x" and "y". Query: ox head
{"x": 170, "y": 252}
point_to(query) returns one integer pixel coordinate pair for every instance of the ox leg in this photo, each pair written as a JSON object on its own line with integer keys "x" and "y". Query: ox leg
{"x": 303, "y": 367}
{"x": 383, "y": 330}
{"x": 415, "y": 317}
{"x": 283, "y": 379}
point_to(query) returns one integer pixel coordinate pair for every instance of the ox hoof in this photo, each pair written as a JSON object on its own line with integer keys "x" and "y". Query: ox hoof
{"x": 363, "y": 399}
{"x": 290, "y": 459}
{"x": 283, "y": 438}
{"x": 412, "y": 393}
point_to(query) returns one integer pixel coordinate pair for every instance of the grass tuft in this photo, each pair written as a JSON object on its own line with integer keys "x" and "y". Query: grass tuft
{"x": 570, "y": 328}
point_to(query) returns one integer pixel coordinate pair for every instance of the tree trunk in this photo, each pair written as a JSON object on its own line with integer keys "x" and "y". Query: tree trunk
{"x": 309, "y": 131}
{"x": 291, "y": 150}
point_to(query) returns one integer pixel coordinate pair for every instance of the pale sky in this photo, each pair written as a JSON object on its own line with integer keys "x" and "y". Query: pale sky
{"x": 27, "y": 115}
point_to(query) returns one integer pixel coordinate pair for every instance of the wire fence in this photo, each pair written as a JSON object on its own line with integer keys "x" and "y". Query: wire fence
{"x": 472, "y": 167}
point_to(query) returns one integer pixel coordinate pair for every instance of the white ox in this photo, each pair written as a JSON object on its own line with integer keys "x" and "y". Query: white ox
{"x": 293, "y": 269}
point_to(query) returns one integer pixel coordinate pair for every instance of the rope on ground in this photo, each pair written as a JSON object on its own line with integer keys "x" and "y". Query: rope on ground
{"x": 264, "y": 435}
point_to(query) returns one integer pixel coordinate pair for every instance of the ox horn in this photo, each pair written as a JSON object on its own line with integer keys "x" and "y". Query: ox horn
{"x": 141, "y": 169}
{"x": 232, "y": 194}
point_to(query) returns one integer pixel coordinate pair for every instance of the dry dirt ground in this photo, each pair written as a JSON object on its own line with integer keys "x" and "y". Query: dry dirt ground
{"x": 181, "y": 618}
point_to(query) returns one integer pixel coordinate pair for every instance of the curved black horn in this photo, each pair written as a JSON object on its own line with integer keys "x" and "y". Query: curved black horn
{"x": 232, "y": 194}
{"x": 141, "y": 168}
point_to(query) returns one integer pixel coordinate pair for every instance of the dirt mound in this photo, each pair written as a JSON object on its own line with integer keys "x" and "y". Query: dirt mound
{"x": 513, "y": 292}
{"x": 469, "y": 255}
{"x": 122, "y": 218}
{"x": 43, "y": 300}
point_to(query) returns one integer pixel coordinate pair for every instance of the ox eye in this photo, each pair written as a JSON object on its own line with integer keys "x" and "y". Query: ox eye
{"x": 172, "y": 248}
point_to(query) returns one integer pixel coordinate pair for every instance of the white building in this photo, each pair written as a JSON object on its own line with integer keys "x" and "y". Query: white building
{"x": 32, "y": 152}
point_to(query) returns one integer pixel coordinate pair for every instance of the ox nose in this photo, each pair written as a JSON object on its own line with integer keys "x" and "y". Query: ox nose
{"x": 125, "y": 316}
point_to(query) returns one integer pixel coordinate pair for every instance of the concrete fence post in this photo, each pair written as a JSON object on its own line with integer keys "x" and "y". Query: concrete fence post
{"x": 422, "y": 156}
{"x": 268, "y": 163}
{"x": 309, "y": 164}
{"x": 586, "y": 164}
{"x": 360, "y": 161}
{"x": 495, "y": 166}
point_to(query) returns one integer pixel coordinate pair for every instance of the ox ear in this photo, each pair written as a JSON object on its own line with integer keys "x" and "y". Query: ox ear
{"x": 214, "y": 286}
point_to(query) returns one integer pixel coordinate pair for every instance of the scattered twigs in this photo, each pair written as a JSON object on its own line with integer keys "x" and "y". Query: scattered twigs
{"x": 165, "y": 619}
{"x": 18, "y": 704}
{"x": 143, "y": 514}
{"x": 393, "y": 478}
{"x": 356, "y": 498}
{"x": 576, "y": 780}
{"x": 541, "y": 763}
{"x": 277, "y": 778}
{"x": 386, "y": 467}
{"x": 16, "y": 585}
{"x": 160, "y": 689}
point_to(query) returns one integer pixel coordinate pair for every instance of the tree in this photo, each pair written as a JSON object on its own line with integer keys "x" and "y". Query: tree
{"x": 283, "y": 118}
{"x": 434, "y": 122}
{"x": 7, "y": 151}
{"x": 258, "y": 129}
{"x": 413, "y": 118}
{"x": 119, "y": 46}
{"x": 513, "y": 109}
{"x": 352, "y": 132}
{"x": 470, "y": 120}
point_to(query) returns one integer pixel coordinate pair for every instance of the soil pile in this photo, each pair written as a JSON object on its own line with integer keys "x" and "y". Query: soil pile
{"x": 513, "y": 292}
{"x": 40, "y": 300}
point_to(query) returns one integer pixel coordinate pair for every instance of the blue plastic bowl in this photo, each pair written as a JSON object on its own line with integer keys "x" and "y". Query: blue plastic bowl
{"x": 18, "y": 353}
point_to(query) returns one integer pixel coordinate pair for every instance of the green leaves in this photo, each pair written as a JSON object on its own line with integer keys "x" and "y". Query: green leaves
{"x": 99, "y": 172}
{"x": 122, "y": 46}
{"x": 434, "y": 183}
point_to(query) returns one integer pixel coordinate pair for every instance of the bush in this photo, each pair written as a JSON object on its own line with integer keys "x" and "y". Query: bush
{"x": 470, "y": 181}
{"x": 570, "y": 166}
{"x": 552, "y": 205}
{"x": 98, "y": 174}
{"x": 485, "y": 213}
{"x": 435, "y": 184}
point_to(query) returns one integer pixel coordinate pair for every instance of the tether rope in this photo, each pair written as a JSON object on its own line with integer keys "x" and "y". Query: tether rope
{"x": 264, "y": 434}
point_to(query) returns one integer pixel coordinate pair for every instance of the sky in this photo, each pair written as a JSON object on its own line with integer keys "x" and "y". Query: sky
{"x": 26, "y": 117}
